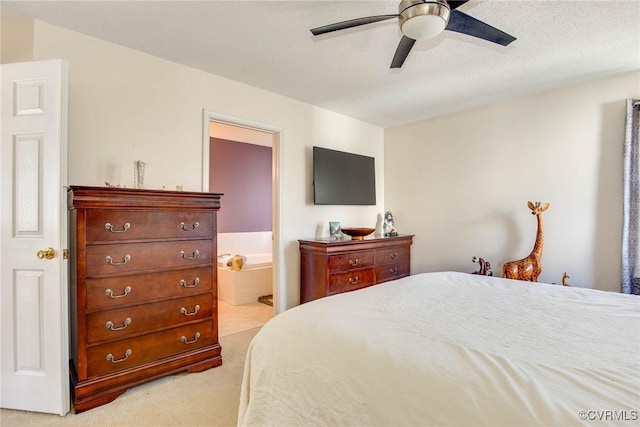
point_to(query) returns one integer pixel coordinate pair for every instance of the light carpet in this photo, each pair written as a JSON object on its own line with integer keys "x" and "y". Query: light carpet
{"x": 208, "y": 398}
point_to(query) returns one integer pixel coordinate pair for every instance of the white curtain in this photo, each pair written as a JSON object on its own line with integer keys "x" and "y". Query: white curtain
{"x": 631, "y": 201}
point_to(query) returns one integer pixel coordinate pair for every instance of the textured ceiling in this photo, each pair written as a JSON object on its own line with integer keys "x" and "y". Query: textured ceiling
{"x": 267, "y": 44}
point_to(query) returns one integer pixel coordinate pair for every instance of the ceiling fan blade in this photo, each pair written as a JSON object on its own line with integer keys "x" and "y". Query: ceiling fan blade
{"x": 456, "y": 4}
{"x": 404, "y": 47}
{"x": 462, "y": 23}
{"x": 350, "y": 24}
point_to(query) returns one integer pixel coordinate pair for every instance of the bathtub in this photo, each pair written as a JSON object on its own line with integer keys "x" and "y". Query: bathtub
{"x": 247, "y": 285}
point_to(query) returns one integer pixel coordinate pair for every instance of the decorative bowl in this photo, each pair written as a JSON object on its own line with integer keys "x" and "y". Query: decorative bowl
{"x": 357, "y": 233}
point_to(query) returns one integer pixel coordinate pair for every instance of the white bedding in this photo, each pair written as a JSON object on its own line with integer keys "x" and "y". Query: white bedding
{"x": 448, "y": 349}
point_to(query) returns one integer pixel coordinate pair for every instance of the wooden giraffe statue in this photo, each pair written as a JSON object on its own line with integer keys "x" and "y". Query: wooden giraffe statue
{"x": 529, "y": 268}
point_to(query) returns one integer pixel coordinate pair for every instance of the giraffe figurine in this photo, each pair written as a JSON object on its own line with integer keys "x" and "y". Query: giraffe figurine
{"x": 529, "y": 268}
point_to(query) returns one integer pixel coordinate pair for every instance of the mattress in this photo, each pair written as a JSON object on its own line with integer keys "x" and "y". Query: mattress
{"x": 448, "y": 349}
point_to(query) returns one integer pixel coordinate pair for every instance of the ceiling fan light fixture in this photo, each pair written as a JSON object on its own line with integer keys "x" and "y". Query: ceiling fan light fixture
{"x": 421, "y": 20}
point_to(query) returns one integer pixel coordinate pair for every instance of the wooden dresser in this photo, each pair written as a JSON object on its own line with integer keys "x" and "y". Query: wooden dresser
{"x": 143, "y": 294}
{"x": 329, "y": 267}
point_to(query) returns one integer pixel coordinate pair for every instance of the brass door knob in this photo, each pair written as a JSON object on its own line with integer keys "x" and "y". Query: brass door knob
{"x": 48, "y": 253}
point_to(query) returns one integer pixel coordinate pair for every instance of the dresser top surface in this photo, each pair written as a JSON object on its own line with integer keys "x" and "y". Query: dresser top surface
{"x": 109, "y": 197}
{"x": 376, "y": 238}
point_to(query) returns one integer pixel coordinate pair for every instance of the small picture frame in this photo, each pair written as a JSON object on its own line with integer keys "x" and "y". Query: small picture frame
{"x": 389, "y": 225}
{"x": 335, "y": 232}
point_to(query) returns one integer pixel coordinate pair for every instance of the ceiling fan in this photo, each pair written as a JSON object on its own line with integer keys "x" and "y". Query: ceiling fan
{"x": 425, "y": 19}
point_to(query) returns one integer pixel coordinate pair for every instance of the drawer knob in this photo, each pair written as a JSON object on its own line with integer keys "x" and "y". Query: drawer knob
{"x": 193, "y": 227}
{"x": 195, "y": 338}
{"x": 125, "y": 227}
{"x": 354, "y": 262}
{"x": 393, "y": 255}
{"x": 393, "y": 270}
{"x": 193, "y": 313}
{"x": 126, "y": 259}
{"x": 185, "y": 256}
{"x": 184, "y": 284}
{"x": 111, "y": 358}
{"x": 110, "y": 294}
{"x": 126, "y": 323}
{"x": 353, "y": 281}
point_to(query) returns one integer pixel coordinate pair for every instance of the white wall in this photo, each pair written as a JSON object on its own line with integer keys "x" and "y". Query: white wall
{"x": 126, "y": 106}
{"x": 461, "y": 183}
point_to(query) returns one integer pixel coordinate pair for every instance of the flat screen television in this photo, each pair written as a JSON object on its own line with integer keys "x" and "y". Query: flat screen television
{"x": 341, "y": 178}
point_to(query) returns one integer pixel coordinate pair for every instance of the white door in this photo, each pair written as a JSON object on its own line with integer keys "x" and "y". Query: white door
{"x": 34, "y": 338}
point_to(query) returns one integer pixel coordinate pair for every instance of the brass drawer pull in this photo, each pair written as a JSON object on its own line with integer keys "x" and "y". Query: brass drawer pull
{"x": 393, "y": 255}
{"x": 126, "y": 323}
{"x": 393, "y": 270}
{"x": 195, "y": 338}
{"x": 125, "y": 227}
{"x": 354, "y": 262}
{"x": 111, "y": 358}
{"x": 193, "y": 313}
{"x": 126, "y": 259}
{"x": 110, "y": 294}
{"x": 183, "y": 283}
{"x": 353, "y": 281}
{"x": 195, "y": 255}
{"x": 184, "y": 226}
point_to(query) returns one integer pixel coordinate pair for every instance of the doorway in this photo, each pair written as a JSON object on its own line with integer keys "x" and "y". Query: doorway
{"x": 236, "y": 137}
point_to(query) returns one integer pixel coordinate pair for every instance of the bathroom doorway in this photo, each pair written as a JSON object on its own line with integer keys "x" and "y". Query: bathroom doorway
{"x": 243, "y": 164}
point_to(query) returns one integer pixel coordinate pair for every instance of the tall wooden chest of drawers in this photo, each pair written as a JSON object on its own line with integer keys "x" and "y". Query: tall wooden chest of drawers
{"x": 329, "y": 267}
{"x": 143, "y": 294}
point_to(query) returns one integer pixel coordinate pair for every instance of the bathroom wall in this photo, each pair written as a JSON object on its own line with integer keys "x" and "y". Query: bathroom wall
{"x": 242, "y": 172}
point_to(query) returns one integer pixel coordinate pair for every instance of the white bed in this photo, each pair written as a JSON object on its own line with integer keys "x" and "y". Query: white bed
{"x": 448, "y": 349}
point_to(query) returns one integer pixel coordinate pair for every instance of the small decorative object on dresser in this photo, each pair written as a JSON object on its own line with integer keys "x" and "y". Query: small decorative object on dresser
{"x": 143, "y": 293}
{"x": 389, "y": 225}
{"x": 565, "y": 276}
{"x": 529, "y": 268}
{"x": 331, "y": 267}
{"x": 485, "y": 267}
{"x": 357, "y": 233}
{"x": 138, "y": 173}
{"x": 334, "y": 230}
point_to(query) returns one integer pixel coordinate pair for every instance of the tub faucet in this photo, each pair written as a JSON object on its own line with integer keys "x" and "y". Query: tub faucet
{"x": 223, "y": 255}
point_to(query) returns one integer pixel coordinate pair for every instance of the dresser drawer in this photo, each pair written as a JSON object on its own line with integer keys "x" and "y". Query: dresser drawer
{"x": 124, "y": 322}
{"x": 129, "y": 257}
{"x": 117, "y": 225}
{"x": 351, "y": 280}
{"x": 114, "y": 292}
{"x": 392, "y": 271}
{"x": 351, "y": 260}
{"x": 392, "y": 254}
{"x": 127, "y": 353}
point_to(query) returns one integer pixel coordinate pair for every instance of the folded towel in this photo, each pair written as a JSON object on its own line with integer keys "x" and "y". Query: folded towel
{"x": 237, "y": 262}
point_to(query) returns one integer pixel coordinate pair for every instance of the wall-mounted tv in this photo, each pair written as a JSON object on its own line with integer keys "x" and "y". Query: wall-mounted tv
{"x": 341, "y": 178}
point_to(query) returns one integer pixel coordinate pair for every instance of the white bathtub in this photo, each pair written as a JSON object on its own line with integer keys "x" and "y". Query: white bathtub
{"x": 247, "y": 285}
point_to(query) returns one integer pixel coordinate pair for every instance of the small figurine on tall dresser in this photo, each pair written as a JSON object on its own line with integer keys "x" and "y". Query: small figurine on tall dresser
{"x": 485, "y": 267}
{"x": 529, "y": 268}
{"x": 389, "y": 225}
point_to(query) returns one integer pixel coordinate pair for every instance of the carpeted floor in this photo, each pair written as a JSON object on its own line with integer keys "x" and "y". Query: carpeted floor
{"x": 207, "y": 398}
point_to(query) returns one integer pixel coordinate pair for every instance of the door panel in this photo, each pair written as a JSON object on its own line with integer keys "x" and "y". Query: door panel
{"x": 33, "y": 288}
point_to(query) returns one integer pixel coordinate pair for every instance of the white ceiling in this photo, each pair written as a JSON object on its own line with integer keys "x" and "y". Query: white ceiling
{"x": 267, "y": 44}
